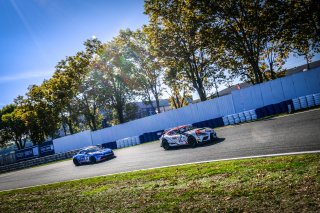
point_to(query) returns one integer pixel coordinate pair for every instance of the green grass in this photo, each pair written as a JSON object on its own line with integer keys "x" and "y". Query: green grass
{"x": 277, "y": 184}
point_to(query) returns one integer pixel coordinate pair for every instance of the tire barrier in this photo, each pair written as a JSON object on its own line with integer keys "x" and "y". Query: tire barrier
{"x": 126, "y": 142}
{"x": 310, "y": 101}
{"x": 212, "y": 123}
{"x": 230, "y": 119}
{"x": 296, "y": 104}
{"x": 236, "y": 118}
{"x": 304, "y": 102}
{"x": 316, "y": 99}
{"x": 225, "y": 121}
{"x": 240, "y": 117}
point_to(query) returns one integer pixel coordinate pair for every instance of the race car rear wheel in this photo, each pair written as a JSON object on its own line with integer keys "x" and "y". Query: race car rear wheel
{"x": 93, "y": 159}
{"x": 192, "y": 141}
{"x": 76, "y": 162}
{"x": 165, "y": 144}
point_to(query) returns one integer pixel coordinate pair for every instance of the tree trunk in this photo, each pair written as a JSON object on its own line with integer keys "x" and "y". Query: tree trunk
{"x": 273, "y": 74}
{"x": 202, "y": 94}
{"x": 93, "y": 121}
{"x": 157, "y": 103}
{"x": 256, "y": 71}
{"x": 119, "y": 110}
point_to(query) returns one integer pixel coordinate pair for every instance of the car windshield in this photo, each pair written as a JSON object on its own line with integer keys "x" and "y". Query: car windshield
{"x": 187, "y": 128}
{"x": 93, "y": 149}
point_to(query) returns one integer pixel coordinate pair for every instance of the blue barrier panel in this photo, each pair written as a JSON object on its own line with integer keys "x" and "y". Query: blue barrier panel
{"x": 277, "y": 108}
{"x": 264, "y": 111}
{"x": 289, "y": 102}
{"x": 110, "y": 145}
{"x": 154, "y": 136}
{"x": 28, "y": 153}
{"x": 46, "y": 148}
{"x": 219, "y": 122}
{"x": 147, "y": 137}
{"x": 270, "y": 110}
{"x": 212, "y": 123}
{"x": 141, "y": 138}
{"x": 259, "y": 112}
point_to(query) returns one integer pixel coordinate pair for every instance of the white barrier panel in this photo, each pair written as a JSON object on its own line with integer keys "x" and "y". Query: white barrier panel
{"x": 247, "y": 115}
{"x": 225, "y": 120}
{"x": 310, "y": 100}
{"x": 296, "y": 104}
{"x": 242, "y": 117}
{"x": 303, "y": 102}
{"x": 317, "y": 99}
{"x": 72, "y": 142}
{"x": 126, "y": 142}
{"x": 236, "y": 118}
{"x": 238, "y": 101}
{"x": 253, "y": 114}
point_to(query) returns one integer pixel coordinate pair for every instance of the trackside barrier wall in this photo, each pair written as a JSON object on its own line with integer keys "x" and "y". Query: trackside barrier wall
{"x": 46, "y": 148}
{"x": 72, "y": 142}
{"x": 27, "y": 153}
{"x": 299, "y": 91}
{"x": 253, "y": 102}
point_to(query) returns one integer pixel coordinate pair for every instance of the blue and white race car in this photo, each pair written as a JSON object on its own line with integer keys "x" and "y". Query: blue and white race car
{"x": 187, "y": 135}
{"x": 92, "y": 154}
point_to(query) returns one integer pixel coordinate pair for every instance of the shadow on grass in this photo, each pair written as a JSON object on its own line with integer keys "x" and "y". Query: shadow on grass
{"x": 210, "y": 143}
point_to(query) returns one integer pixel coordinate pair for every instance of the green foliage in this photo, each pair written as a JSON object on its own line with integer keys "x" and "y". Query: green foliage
{"x": 178, "y": 35}
{"x": 12, "y": 127}
{"x": 147, "y": 68}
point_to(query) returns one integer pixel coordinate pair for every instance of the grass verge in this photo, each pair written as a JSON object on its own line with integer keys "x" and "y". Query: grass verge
{"x": 275, "y": 184}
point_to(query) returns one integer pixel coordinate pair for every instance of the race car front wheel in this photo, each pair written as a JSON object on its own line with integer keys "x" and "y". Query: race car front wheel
{"x": 93, "y": 159}
{"x": 165, "y": 144}
{"x": 192, "y": 141}
{"x": 76, "y": 162}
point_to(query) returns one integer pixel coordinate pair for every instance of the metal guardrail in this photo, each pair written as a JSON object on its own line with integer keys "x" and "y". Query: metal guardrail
{"x": 37, "y": 161}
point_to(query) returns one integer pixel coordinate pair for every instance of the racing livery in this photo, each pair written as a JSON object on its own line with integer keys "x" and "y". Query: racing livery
{"x": 186, "y": 135}
{"x": 92, "y": 154}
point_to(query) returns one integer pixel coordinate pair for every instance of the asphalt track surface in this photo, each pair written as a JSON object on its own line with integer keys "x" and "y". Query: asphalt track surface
{"x": 292, "y": 133}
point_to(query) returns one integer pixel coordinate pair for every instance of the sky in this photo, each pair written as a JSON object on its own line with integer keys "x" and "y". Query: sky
{"x": 36, "y": 34}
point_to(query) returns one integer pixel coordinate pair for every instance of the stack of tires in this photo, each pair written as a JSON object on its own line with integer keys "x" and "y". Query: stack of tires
{"x": 316, "y": 99}
{"x": 303, "y": 102}
{"x": 130, "y": 141}
{"x": 240, "y": 117}
{"x": 307, "y": 101}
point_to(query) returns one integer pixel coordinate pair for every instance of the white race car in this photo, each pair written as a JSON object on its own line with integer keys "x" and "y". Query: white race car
{"x": 186, "y": 135}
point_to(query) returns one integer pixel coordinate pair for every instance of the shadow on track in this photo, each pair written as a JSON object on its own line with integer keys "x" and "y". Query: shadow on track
{"x": 210, "y": 143}
{"x": 106, "y": 160}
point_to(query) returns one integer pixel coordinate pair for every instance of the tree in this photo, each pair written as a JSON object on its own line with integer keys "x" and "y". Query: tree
{"x": 178, "y": 35}
{"x": 12, "y": 127}
{"x": 148, "y": 70}
{"x": 245, "y": 28}
{"x": 179, "y": 90}
{"x": 302, "y": 30}
{"x": 72, "y": 89}
{"x": 117, "y": 83}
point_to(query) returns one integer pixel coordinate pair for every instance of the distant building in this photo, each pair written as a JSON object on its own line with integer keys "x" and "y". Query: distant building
{"x": 147, "y": 110}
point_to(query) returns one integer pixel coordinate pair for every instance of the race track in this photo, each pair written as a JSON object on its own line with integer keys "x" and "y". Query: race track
{"x": 292, "y": 133}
